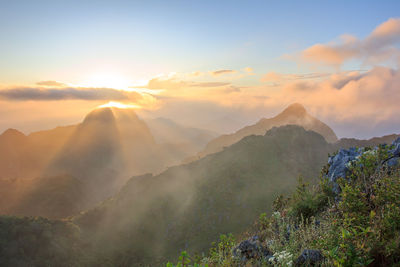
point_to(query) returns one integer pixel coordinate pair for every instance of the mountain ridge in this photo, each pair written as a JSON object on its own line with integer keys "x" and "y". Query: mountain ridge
{"x": 293, "y": 114}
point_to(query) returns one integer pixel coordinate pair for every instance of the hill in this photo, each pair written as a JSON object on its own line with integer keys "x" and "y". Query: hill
{"x": 351, "y": 218}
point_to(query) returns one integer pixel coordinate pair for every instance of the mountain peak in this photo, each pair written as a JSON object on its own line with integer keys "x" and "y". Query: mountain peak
{"x": 100, "y": 115}
{"x": 295, "y": 109}
{"x": 12, "y": 132}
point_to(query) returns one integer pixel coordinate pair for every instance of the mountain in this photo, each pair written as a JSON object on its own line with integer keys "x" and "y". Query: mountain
{"x": 294, "y": 114}
{"x": 14, "y": 162}
{"x": 188, "y": 205}
{"x": 24, "y": 156}
{"x": 154, "y": 217}
{"x": 52, "y": 197}
{"x": 105, "y": 149}
{"x": 60, "y": 172}
{"x": 352, "y": 142}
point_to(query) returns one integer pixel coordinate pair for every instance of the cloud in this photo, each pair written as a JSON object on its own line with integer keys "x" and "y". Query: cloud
{"x": 274, "y": 77}
{"x": 222, "y": 72}
{"x": 176, "y": 84}
{"x": 51, "y": 83}
{"x": 379, "y": 46}
{"x": 208, "y": 84}
{"x": 67, "y": 93}
{"x": 349, "y": 96}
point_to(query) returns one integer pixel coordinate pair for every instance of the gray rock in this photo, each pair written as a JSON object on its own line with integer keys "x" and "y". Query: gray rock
{"x": 338, "y": 165}
{"x": 396, "y": 150}
{"x": 309, "y": 257}
{"x": 393, "y": 162}
{"x": 251, "y": 249}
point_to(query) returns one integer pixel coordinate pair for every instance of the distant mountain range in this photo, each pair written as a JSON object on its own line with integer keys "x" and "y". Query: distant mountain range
{"x": 295, "y": 114}
{"x": 60, "y": 172}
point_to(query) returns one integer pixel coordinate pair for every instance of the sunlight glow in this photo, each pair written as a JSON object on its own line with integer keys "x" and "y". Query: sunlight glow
{"x": 107, "y": 80}
{"x": 113, "y": 104}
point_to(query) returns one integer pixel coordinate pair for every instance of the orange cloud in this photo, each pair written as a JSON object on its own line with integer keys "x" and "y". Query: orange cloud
{"x": 373, "y": 95}
{"x": 379, "y": 46}
{"x": 274, "y": 77}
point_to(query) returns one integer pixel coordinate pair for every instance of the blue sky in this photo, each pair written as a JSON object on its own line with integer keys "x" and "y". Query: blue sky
{"x": 45, "y": 39}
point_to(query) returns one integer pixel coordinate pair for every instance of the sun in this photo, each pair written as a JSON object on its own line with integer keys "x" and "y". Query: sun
{"x": 113, "y": 104}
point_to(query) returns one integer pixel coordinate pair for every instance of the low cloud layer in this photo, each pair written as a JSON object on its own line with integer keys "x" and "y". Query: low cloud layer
{"x": 278, "y": 78}
{"x": 347, "y": 96}
{"x": 161, "y": 83}
{"x": 67, "y": 93}
{"x": 51, "y": 83}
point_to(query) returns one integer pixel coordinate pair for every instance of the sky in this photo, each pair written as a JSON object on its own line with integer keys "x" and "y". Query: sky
{"x": 213, "y": 64}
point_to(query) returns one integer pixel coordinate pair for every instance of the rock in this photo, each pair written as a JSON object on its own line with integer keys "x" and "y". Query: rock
{"x": 339, "y": 165}
{"x": 396, "y": 150}
{"x": 393, "y": 162}
{"x": 309, "y": 257}
{"x": 251, "y": 249}
{"x": 394, "y": 158}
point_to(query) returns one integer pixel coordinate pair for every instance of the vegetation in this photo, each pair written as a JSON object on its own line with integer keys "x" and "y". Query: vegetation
{"x": 27, "y": 241}
{"x": 358, "y": 227}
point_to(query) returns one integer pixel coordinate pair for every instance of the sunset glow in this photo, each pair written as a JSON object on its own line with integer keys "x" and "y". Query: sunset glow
{"x": 107, "y": 80}
{"x": 172, "y": 61}
{"x": 112, "y": 104}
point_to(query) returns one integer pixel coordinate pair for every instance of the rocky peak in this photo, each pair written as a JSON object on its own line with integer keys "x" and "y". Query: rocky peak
{"x": 295, "y": 109}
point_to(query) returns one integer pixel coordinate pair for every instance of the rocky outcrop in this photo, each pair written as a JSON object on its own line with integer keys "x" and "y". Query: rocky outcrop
{"x": 339, "y": 164}
{"x": 395, "y": 152}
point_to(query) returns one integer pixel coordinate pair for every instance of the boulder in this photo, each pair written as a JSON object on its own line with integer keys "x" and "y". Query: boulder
{"x": 251, "y": 249}
{"x": 309, "y": 257}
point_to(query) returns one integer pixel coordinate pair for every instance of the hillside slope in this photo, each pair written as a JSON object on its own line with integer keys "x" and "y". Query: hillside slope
{"x": 351, "y": 218}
